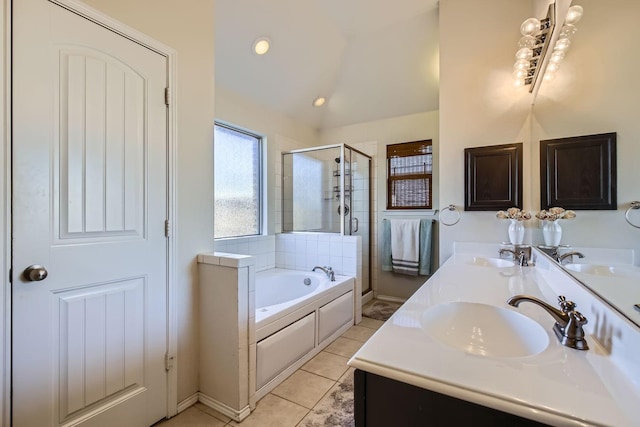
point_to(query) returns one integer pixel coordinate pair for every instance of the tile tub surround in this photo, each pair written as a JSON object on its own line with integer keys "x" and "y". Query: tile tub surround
{"x": 234, "y": 376}
{"x": 563, "y": 386}
{"x": 302, "y": 251}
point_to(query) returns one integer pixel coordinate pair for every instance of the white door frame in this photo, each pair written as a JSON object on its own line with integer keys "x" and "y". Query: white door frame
{"x": 5, "y": 192}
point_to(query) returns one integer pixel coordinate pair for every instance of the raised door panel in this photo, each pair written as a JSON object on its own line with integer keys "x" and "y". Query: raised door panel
{"x": 99, "y": 151}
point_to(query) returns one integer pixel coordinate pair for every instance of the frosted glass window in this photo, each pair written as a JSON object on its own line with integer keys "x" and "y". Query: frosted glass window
{"x": 237, "y": 160}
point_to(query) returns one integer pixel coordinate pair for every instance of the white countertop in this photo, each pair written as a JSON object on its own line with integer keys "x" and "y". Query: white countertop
{"x": 558, "y": 386}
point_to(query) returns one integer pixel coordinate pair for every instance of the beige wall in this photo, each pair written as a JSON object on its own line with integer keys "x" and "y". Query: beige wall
{"x": 373, "y": 138}
{"x": 595, "y": 92}
{"x": 479, "y": 105}
{"x": 187, "y": 27}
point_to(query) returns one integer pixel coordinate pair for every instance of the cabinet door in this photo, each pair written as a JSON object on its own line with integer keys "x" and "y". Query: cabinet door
{"x": 278, "y": 351}
{"x": 335, "y": 315}
{"x": 383, "y": 402}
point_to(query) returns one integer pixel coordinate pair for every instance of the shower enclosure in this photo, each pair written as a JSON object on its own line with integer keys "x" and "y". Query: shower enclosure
{"x": 328, "y": 190}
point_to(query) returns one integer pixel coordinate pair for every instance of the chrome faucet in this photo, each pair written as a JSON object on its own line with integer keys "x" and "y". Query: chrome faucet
{"x": 569, "y": 322}
{"x": 562, "y": 257}
{"x": 328, "y": 271}
{"x": 520, "y": 257}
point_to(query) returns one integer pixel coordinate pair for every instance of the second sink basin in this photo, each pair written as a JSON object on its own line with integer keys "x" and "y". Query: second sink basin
{"x": 491, "y": 262}
{"x": 604, "y": 270}
{"x": 485, "y": 330}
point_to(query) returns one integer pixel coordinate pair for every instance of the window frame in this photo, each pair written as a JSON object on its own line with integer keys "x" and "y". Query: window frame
{"x": 408, "y": 149}
{"x": 259, "y": 173}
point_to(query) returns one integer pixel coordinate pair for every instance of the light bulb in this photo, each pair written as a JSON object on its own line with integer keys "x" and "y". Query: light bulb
{"x": 319, "y": 101}
{"x": 527, "y": 41}
{"x": 568, "y": 31}
{"x": 519, "y": 74}
{"x": 530, "y": 27}
{"x": 524, "y": 53}
{"x": 518, "y": 82}
{"x": 549, "y": 76}
{"x": 521, "y": 64}
{"x": 261, "y": 46}
{"x": 553, "y": 67}
{"x": 562, "y": 44}
{"x": 557, "y": 56}
{"x": 574, "y": 14}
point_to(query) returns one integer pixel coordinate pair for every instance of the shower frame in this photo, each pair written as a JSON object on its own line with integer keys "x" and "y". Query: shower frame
{"x": 343, "y": 232}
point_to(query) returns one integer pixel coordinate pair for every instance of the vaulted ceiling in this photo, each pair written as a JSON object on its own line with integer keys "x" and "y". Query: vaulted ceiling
{"x": 371, "y": 59}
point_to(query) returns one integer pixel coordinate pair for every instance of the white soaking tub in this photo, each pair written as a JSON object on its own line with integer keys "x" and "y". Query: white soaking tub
{"x": 298, "y": 313}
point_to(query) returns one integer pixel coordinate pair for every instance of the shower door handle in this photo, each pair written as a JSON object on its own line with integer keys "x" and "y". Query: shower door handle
{"x": 355, "y": 230}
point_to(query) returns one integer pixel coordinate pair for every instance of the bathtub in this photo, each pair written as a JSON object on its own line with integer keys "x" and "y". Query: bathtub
{"x": 297, "y": 314}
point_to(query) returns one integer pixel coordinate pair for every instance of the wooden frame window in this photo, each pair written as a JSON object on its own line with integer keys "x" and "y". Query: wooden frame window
{"x": 409, "y": 175}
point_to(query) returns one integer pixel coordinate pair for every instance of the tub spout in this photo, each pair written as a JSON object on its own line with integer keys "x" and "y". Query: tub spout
{"x": 328, "y": 271}
{"x": 568, "y": 326}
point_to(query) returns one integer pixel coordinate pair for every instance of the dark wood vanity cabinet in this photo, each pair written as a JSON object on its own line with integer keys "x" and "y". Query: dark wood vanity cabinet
{"x": 383, "y": 402}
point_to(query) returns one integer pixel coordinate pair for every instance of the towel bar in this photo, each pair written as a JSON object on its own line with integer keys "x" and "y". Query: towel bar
{"x": 450, "y": 208}
{"x": 634, "y": 205}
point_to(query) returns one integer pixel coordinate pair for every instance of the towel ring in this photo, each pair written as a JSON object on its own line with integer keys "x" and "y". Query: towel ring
{"x": 634, "y": 205}
{"x": 450, "y": 208}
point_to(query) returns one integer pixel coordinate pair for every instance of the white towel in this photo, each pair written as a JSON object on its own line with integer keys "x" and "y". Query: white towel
{"x": 405, "y": 247}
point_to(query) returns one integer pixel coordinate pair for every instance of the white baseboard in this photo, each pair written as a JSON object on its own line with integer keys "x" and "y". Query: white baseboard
{"x": 224, "y": 409}
{"x": 188, "y": 402}
{"x": 392, "y": 299}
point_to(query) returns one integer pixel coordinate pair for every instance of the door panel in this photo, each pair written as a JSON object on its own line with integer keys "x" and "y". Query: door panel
{"x": 99, "y": 149}
{"x": 89, "y": 204}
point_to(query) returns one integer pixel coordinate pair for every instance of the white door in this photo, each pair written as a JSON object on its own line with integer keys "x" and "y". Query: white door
{"x": 89, "y": 205}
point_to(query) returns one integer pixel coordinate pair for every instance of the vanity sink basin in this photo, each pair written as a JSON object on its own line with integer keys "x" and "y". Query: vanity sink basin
{"x": 491, "y": 262}
{"x": 484, "y": 330}
{"x": 604, "y": 270}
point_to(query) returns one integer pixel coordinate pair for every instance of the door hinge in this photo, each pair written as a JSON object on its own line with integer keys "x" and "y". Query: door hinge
{"x": 167, "y": 228}
{"x": 168, "y": 362}
{"x": 166, "y": 95}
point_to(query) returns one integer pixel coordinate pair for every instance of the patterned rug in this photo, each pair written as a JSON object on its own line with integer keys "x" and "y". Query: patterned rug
{"x": 380, "y": 310}
{"x": 336, "y": 408}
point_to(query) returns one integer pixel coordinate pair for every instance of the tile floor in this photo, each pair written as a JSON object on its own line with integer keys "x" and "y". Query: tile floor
{"x": 302, "y": 400}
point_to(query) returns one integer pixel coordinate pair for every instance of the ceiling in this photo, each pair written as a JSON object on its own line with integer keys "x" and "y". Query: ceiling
{"x": 371, "y": 59}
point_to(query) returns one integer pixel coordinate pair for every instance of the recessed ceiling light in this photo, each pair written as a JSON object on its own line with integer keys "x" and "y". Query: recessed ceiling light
{"x": 261, "y": 45}
{"x": 319, "y": 101}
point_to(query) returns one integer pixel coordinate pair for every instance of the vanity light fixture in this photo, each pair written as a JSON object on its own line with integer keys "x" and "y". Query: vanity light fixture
{"x": 261, "y": 45}
{"x": 536, "y": 43}
{"x": 319, "y": 101}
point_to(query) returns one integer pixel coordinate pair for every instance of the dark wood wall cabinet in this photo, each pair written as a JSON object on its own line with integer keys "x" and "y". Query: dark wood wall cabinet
{"x": 383, "y": 402}
{"x": 579, "y": 172}
{"x": 493, "y": 177}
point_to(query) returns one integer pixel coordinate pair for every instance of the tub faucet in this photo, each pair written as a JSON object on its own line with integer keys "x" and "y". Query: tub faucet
{"x": 519, "y": 256}
{"x": 328, "y": 271}
{"x": 562, "y": 257}
{"x": 569, "y": 322}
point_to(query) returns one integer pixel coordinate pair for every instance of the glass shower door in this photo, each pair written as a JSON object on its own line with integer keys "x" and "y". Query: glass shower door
{"x": 358, "y": 220}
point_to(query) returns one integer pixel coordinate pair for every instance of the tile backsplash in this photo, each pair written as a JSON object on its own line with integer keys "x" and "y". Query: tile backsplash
{"x": 299, "y": 251}
{"x": 262, "y": 248}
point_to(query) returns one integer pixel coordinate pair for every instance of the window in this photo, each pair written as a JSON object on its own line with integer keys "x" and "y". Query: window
{"x": 237, "y": 160}
{"x": 409, "y": 169}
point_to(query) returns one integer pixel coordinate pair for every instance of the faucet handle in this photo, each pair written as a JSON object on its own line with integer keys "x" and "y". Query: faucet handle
{"x": 578, "y": 317}
{"x": 566, "y": 305}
